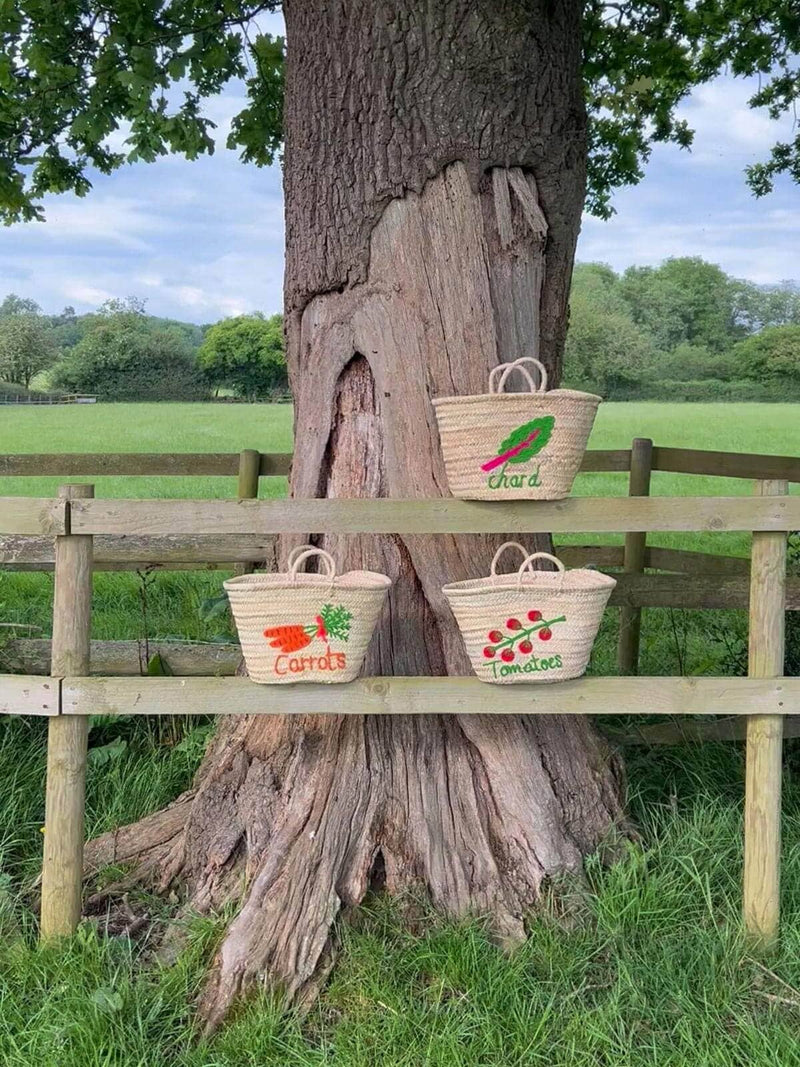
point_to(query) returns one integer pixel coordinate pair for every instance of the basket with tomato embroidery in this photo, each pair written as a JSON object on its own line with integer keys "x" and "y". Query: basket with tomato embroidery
{"x": 306, "y": 627}
{"x": 515, "y": 446}
{"x": 531, "y": 625}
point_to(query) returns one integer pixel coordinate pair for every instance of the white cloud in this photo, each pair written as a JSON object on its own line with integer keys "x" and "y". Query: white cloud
{"x": 83, "y": 293}
{"x": 205, "y": 239}
{"x": 727, "y": 130}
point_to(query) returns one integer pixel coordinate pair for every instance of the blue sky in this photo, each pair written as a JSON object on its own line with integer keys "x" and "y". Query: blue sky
{"x": 203, "y": 240}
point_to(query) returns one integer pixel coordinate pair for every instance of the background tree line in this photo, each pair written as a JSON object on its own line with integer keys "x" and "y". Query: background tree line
{"x": 682, "y": 331}
{"x": 121, "y": 353}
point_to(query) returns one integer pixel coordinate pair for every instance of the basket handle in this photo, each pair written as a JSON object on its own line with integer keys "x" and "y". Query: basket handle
{"x": 505, "y": 370}
{"x": 296, "y": 551}
{"x": 526, "y": 566}
{"x": 306, "y": 553}
{"x": 501, "y": 550}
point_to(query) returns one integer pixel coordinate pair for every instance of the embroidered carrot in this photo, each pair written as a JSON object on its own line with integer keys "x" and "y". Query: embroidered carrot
{"x": 331, "y": 622}
{"x": 288, "y": 638}
{"x": 523, "y": 443}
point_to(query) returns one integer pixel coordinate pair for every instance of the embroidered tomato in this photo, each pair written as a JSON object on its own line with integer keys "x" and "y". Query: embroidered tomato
{"x": 525, "y": 647}
{"x": 506, "y": 655}
{"x": 545, "y": 634}
{"x": 534, "y": 616}
{"x": 489, "y": 652}
{"x": 514, "y": 624}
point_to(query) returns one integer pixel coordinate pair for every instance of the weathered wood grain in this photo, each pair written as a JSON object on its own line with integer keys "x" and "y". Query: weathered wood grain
{"x": 67, "y": 737}
{"x": 598, "y": 556}
{"x": 712, "y": 514}
{"x": 726, "y": 464}
{"x": 132, "y": 552}
{"x": 431, "y": 696}
{"x": 690, "y": 731}
{"x": 615, "y": 459}
{"x": 762, "y": 807}
{"x": 32, "y": 515}
{"x": 676, "y": 460}
{"x": 32, "y": 656}
{"x": 87, "y": 464}
{"x": 685, "y": 562}
{"x": 21, "y": 695}
{"x": 630, "y": 618}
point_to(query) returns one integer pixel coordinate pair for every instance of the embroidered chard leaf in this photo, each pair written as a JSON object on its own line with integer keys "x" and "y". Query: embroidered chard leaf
{"x": 523, "y": 443}
{"x": 336, "y": 621}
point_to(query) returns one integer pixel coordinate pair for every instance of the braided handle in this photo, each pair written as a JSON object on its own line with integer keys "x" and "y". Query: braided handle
{"x": 306, "y": 553}
{"x": 505, "y": 370}
{"x": 526, "y": 565}
{"x": 501, "y": 550}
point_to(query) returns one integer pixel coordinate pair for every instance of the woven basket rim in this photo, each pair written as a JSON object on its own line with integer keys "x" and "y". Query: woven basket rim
{"x": 542, "y": 581}
{"x": 474, "y": 398}
{"x": 350, "y": 581}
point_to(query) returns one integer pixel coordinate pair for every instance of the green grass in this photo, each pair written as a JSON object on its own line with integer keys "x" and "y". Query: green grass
{"x": 641, "y": 965}
{"x": 146, "y": 428}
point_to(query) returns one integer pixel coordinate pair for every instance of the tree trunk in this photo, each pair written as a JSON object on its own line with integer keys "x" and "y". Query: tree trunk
{"x": 434, "y": 183}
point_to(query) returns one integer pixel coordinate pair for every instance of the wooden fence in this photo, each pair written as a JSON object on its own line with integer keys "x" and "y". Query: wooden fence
{"x": 47, "y": 398}
{"x": 75, "y": 519}
{"x": 693, "y": 579}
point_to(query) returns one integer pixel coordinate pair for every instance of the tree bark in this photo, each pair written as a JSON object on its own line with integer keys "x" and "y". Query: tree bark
{"x": 434, "y": 183}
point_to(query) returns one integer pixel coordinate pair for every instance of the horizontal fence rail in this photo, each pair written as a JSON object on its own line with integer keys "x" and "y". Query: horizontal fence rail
{"x": 130, "y": 464}
{"x": 725, "y": 464}
{"x": 442, "y": 516}
{"x": 26, "y": 695}
{"x": 21, "y": 695}
{"x": 32, "y": 515}
{"x": 31, "y": 553}
{"x": 226, "y": 464}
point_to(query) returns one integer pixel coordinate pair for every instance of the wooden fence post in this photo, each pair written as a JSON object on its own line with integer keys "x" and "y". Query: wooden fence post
{"x": 247, "y": 489}
{"x": 62, "y": 866}
{"x": 630, "y": 619}
{"x": 762, "y": 806}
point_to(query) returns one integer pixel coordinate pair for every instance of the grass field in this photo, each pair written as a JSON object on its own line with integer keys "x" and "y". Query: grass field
{"x": 641, "y": 965}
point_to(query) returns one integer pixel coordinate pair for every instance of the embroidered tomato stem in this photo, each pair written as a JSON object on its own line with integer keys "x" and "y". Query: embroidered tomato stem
{"x": 521, "y": 635}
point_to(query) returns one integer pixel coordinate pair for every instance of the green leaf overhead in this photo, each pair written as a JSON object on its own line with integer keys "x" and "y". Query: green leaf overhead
{"x": 73, "y": 73}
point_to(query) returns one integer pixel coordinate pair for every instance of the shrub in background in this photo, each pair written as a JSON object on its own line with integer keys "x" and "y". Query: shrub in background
{"x": 246, "y": 354}
{"x": 123, "y": 355}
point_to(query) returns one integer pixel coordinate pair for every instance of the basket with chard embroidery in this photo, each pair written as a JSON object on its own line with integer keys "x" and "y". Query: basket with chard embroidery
{"x": 299, "y": 627}
{"x": 515, "y": 446}
{"x": 531, "y": 625}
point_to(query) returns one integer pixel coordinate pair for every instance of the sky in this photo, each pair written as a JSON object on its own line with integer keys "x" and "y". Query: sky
{"x": 203, "y": 240}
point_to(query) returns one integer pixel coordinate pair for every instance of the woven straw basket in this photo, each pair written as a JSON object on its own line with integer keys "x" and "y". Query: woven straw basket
{"x": 298, "y": 627}
{"x": 515, "y": 446}
{"x": 531, "y": 626}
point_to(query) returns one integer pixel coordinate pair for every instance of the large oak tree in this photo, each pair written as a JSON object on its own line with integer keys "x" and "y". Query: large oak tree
{"x": 436, "y": 161}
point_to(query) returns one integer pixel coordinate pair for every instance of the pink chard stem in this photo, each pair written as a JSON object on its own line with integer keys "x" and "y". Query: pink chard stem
{"x": 504, "y": 457}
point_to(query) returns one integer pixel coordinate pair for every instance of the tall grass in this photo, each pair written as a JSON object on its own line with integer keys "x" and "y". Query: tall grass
{"x": 640, "y": 963}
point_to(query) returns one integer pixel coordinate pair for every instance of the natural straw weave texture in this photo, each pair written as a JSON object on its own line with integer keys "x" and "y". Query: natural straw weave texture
{"x": 477, "y": 431}
{"x": 530, "y": 626}
{"x": 297, "y": 627}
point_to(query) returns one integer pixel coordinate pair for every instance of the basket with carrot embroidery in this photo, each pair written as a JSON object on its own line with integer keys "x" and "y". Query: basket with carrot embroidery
{"x": 306, "y": 627}
{"x": 531, "y": 625}
{"x": 515, "y": 446}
